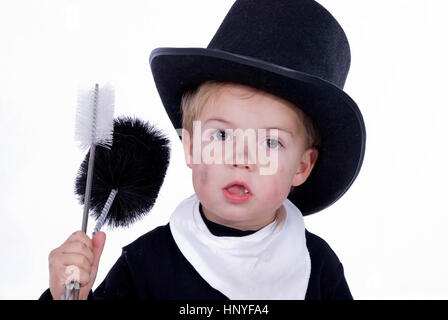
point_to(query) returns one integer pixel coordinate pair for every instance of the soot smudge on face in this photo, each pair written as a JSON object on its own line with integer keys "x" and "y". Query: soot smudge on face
{"x": 203, "y": 176}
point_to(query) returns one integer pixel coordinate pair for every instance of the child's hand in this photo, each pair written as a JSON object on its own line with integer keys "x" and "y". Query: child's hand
{"x": 76, "y": 259}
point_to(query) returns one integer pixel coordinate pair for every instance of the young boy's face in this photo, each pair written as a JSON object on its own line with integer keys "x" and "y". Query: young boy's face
{"x": 235, "y": 107}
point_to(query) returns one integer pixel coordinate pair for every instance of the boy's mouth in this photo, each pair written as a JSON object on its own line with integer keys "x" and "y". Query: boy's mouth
{"x": 237, "y": 192}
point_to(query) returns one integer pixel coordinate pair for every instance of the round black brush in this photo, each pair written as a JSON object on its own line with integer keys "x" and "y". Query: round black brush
{"x": 128, "y": 176}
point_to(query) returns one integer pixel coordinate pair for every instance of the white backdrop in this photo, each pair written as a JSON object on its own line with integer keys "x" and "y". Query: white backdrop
{"x": 389, "y": 229}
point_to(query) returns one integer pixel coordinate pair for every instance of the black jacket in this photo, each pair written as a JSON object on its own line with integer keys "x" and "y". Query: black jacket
{"x": 152, "y": 267}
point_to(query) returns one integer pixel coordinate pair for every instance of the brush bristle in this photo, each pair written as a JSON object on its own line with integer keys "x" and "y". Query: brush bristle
{"x": 136, "y": 165}
{"x": 94, "y": 117}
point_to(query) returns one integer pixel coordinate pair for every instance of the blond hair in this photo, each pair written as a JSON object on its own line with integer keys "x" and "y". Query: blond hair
{"x": 193, "y": 101}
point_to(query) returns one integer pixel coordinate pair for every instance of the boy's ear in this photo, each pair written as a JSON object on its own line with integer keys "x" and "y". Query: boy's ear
{"x": 188, "y": 147}
{"x": 306, "y": 165}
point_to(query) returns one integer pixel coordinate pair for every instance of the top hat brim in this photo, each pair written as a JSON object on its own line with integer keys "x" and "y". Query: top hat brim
{"x": 336, "y": 115}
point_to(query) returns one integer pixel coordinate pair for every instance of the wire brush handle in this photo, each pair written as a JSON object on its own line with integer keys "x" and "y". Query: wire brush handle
{"x": 105, "y": 211}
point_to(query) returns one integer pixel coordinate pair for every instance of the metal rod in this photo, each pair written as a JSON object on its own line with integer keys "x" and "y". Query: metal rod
{"x": 85, "y": 215}
{"x": 88, "y": 188}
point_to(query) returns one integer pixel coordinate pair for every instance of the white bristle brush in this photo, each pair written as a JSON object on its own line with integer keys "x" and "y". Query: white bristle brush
{"x": 94, "y": 127}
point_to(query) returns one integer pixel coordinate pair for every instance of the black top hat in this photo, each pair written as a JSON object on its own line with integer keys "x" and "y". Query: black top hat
{"x": 294, "y": 49}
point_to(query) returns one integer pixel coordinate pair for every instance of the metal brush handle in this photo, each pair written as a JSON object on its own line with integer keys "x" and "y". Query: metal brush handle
{"x": 91, "y": 163}
{"x": 88, "y": 188}
{"x": 89, "y": 180}
{"x": 105, "y": 211}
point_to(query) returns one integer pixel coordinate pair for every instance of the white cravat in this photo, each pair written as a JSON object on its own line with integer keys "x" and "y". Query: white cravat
{"x": 272, "y": 263}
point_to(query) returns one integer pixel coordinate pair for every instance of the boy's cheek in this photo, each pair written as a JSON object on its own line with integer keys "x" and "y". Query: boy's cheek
{"x": 201, "y": 175}
{"x": 277, "y": 185}
{"x": 274, "y": 164}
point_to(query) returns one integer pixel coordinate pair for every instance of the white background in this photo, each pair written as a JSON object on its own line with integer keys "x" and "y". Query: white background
{"x": 389, "y": 230}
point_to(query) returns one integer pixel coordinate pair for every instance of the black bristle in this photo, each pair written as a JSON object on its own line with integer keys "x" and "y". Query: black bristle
{"x": 136, "y": 165}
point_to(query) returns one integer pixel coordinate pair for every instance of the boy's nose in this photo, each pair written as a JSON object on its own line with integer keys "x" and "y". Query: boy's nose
{"x": 246, "y": 166}
{"x": 240, "y": 152}
{"x": 243, "y": 159}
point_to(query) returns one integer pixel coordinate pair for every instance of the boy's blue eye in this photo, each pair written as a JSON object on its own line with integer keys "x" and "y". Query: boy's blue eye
{"x": 273, "y": 143}
{"x": 220, "y": 135}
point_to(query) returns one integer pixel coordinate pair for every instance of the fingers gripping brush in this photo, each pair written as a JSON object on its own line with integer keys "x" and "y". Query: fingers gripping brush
{"x": 127, "y": 176}
{"x": 94, "y": 127}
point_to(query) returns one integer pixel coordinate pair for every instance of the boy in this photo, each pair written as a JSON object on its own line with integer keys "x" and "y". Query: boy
{"x": 273, "y": 73}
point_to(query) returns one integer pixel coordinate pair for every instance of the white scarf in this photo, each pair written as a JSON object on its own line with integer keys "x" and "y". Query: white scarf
{"x": 272, "y": 263}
